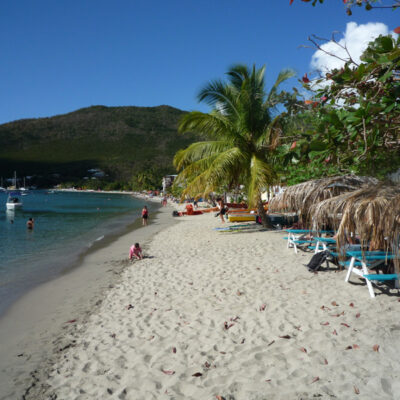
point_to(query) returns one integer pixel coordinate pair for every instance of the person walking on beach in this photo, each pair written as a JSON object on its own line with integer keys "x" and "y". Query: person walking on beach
{"x": 145, "y": 215}
{"x": 136, "y": 252}
{"x": 30, "y": 223}
{"x": 222, "y": 208}
{"x": 164, "y": 201}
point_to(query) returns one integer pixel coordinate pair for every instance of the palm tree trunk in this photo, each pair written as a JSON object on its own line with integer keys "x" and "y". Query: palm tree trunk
{"x": 261, "y": 212}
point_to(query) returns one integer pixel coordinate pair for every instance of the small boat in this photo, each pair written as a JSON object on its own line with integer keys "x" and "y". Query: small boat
{"x": 14, "y": 201}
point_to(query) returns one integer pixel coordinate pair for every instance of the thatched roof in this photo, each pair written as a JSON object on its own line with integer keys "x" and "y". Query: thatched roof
{"x": 373, "y": 212}
{"x": 300, "y": 198}
{"x": 390, "y": 226}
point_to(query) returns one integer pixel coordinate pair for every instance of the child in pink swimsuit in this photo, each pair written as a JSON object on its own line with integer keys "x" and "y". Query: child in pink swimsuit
{"x": 136, "y": 252}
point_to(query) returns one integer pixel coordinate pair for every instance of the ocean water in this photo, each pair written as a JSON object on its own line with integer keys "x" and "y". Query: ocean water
{"x": 67, "y": 224}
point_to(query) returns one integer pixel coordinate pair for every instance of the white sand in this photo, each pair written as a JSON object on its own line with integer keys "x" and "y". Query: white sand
{"x": 199, "y": 281}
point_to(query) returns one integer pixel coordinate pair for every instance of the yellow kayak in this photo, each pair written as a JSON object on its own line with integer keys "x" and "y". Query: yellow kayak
{"x": 243, "y": 217}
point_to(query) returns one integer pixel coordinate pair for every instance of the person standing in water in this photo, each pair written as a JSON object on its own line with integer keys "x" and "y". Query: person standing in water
{"x": 145, "y": 215}
{"x": 30, "y": 223}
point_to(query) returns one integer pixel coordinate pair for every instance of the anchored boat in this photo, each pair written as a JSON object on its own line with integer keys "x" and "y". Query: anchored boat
{"x": 14, "y": 201}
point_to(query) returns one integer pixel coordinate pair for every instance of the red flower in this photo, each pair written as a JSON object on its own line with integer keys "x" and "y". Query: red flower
{"x": 290, "y": 3}
{"x": 293, "y": 146}
{"x": 305, "y": 78}
{"x": 397, "y": 30}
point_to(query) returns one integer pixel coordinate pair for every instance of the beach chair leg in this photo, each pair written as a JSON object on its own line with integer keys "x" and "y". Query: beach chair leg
{"x": 369, "y": 283}
{"x": 351, "y": 266}
{"x": 295, "y": 247}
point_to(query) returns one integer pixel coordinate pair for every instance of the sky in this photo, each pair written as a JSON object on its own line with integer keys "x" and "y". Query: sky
{"x": 61, "y": 55}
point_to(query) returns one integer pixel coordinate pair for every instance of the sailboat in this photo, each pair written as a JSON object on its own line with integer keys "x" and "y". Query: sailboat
{"x": 14, "y": 200}
{"x": 23, "y": 189}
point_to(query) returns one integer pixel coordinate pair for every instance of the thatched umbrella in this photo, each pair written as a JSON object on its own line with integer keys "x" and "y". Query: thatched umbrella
{"x": 390, "y": 226}
{"x": 373, "y": 212}
{"x": 300, "y": 198}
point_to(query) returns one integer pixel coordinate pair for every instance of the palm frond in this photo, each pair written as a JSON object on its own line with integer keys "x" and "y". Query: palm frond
{"x": 237, "y": 74}
{"x": 197, "y": 151}
{"x": 282, "y": 77}
{"x": 270, "y": 135}
{"x": 220, "y": 96}
{"x": 225, "y": 165}
{"x": 195, "y": 168}
{"x": 262, "y": 175}
{"x": 212, "y": 125}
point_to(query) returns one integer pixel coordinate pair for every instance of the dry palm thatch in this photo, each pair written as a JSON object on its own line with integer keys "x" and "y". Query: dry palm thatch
{"x": 300, "y": 198}
{"x": 373, "y": 212}
{"x": 390, "y": 226}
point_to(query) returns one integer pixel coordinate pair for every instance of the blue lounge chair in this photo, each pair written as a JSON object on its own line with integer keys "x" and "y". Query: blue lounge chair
{"x": 370, "y": 259}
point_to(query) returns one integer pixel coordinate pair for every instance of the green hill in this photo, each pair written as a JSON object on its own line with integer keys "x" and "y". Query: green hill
{"x": 122, "y": 141}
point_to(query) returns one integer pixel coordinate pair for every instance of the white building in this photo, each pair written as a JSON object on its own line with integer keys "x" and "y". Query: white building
{"x": 167, "y": 181}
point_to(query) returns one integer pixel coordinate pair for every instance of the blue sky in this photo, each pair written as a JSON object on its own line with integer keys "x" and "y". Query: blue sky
{"x": 58, "y": 56}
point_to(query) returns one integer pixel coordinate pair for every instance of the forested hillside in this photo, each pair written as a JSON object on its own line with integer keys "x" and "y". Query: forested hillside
{"x": 122, "y": 141}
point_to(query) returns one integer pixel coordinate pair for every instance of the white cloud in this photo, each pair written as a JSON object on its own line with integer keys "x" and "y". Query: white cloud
{"x": 356, "y": 39}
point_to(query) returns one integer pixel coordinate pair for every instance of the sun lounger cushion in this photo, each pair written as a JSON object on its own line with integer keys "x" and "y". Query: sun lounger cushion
{"x": 347, "y": 263}
{"x": 381, "y": 277}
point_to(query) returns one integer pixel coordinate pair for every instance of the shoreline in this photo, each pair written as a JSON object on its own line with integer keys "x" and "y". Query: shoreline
{"x": 121, "y": 224}
{"x": 30, "y": 327}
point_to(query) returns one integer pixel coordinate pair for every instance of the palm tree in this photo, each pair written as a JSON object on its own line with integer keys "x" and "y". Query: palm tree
{"x": 241, "y": 136}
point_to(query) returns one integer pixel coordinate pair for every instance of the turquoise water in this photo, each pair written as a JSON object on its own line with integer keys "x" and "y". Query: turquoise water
{"x": 66, "y": 225}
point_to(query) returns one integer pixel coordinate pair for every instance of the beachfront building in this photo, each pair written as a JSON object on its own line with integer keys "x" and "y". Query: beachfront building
{"x": 272, "y": 192}
{"x": 167, "y": 182}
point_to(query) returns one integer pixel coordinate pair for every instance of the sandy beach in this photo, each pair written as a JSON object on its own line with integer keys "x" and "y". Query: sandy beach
{"x": 212, "y": 315}
{"x": 37, "y": 325}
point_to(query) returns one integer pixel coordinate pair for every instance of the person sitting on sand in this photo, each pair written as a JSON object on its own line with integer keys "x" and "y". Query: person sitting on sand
{"x": 136, "y": 252}
{"x": 30, "y": 223}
